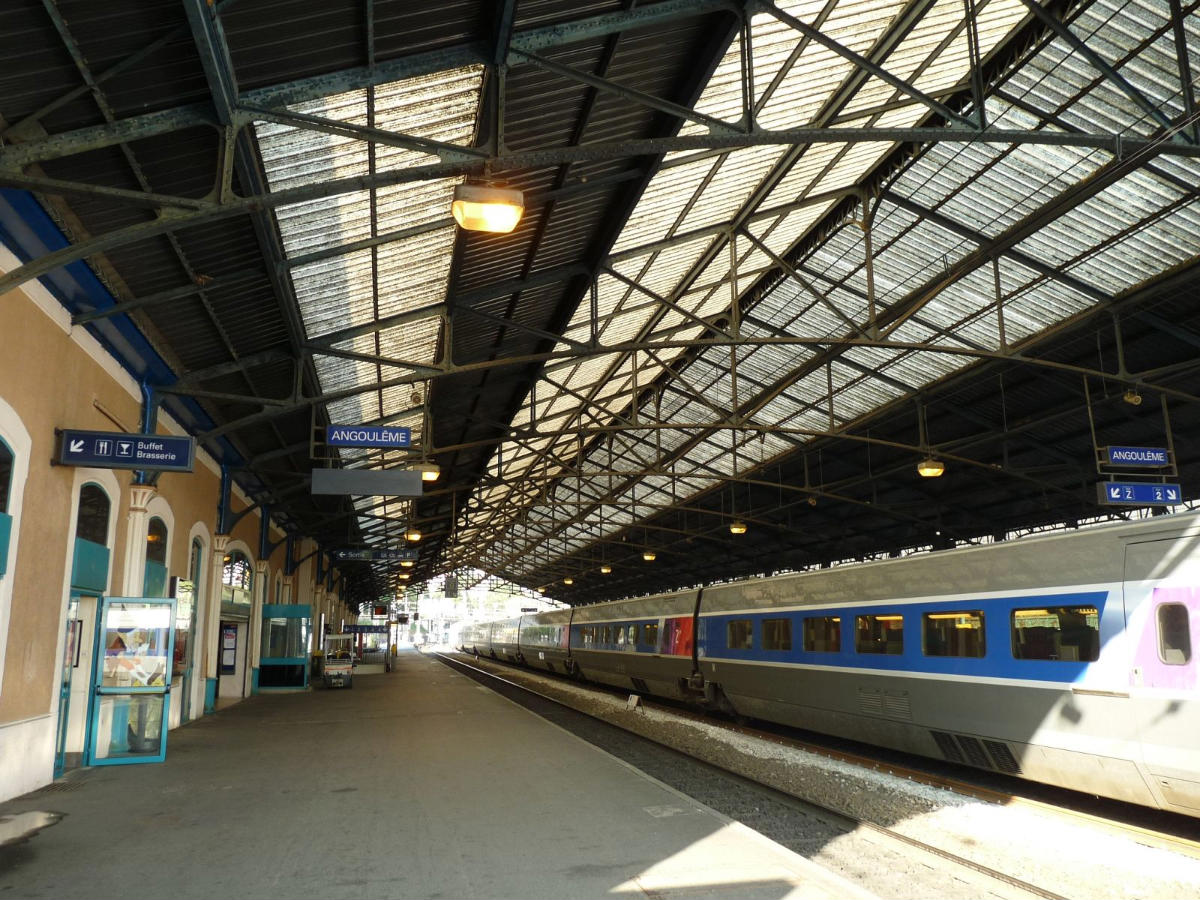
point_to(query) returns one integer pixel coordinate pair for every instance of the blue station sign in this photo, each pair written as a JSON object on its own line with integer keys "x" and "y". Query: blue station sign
{"x": 348, "y": 554}
{"x": 118, "y": 450}
{"x": 1148, "y": 457}
{"x": 385, "y": 436}
{"x": 1139, "y": 493}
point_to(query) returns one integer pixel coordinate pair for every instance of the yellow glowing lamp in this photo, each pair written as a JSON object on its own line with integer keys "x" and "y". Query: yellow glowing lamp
{"x": 606, "y": 569}
{"x": 412, "y": 534}
{"x": 931, "y": 468}
{"x": 737, "y": 527}
{"x": 408, "y": 563}
{"x": 649, "y": 555}
{"x": 481, "y": 207}
{"x": 429, "y": 471}
{"x": 568, "y": 580}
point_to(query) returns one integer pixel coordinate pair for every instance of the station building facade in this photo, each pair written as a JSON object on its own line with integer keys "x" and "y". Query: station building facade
{"x": 70, "y": 535}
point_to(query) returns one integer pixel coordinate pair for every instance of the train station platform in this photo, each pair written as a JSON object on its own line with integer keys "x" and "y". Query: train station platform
{"x": 417, "y": 783}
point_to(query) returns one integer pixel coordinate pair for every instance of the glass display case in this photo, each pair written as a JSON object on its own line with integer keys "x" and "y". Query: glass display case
{"x": 286, "y": 633}
{"x": 133, "y": 680}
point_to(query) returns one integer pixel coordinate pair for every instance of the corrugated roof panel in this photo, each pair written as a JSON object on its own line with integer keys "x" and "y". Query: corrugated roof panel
{"x": 413, "y": 342}
{"x": 920, "y": 48}
{"x": 993, "y": 22}
{"x": 848, "y": 169}
{"x": 784, "y": 233}
{"x": 737, "y": 176}
{"x": 659, "y": 206}
{"x": 335, "y": 294}
{"x": 855, "y": 24}
{"x": 348, "y": 410}
{"x": 414, "y": 272}
{"x": 355, "y": 288}
{"x": 797, "y": 183}
{"x": 1151, "y": 250}
{"x": 327, "y": 222}
{"x": 909, "y": 259}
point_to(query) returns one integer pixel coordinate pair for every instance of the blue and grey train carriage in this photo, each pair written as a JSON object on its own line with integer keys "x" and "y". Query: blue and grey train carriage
{"x": 1066, "y": 658}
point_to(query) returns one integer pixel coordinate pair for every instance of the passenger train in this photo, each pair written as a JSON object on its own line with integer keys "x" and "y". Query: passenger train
{"x": 1066, "y": 658}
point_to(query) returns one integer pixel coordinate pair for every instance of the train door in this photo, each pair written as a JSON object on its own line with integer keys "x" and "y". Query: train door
{"x": 1162, "y": 615}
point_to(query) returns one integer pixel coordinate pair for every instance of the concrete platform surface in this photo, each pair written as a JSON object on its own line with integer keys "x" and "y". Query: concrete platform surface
{"x": 418, "y": 783}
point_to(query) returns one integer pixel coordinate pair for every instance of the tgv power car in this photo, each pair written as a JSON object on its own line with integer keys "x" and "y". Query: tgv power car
{"x": 1067, "y": 658}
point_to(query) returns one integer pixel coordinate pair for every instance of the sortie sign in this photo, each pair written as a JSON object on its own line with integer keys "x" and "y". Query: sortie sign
{"x": 385, "y": 436}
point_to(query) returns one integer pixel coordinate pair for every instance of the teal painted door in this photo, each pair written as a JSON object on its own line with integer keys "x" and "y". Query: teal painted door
{"x": 70, "y": 649}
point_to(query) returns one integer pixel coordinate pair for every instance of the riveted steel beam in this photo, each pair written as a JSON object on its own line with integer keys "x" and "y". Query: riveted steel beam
{"x": 1077, "y": 43}
{"x": 559, "y": 156}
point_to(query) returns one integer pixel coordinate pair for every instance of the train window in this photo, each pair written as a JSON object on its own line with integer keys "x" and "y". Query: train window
{"x": 588, "y": 635}
{"x": 650, "y": 634}
{"x": 777, "y": 634}
{"x": 958, "y": 633}
{"x": 620, "y": 635}
{"x": 606, "y": 636}
{"x": 632, "y": 635}
{"x": 740, "y": 634}
{"x": 879, "y": 634}
{"x": 1064, "y": 633}
{"x": 1174, "y": 639}
{"x": 823, "y": 634}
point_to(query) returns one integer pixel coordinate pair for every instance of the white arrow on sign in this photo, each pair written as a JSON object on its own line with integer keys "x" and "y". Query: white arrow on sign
{"x": 1114, "y": 492}
{"x": 1170, "y": 494}
{"x": 76, "y": 446}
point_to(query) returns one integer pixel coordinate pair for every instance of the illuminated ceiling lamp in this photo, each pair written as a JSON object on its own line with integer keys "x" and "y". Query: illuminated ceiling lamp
{"x": 541, "y": 590}
{"x": 482, "y": 207}
{"x": 737, "y": 526}
{"x": 931, "y": 468}
{"x": 412, "y": 534}
{"x": 606, "y": 569}
{"x": 928, "y": 467}
{"x": 649, "y": 555}
{"x": 568, "y": 580}
{"x": 404, "y": 576}
{"x": 408, "y": 563}
{"x": 429, "y": 471}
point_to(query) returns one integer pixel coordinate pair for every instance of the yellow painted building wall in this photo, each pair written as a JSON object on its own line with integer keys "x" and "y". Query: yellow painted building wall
{"x": 53, "y": 376}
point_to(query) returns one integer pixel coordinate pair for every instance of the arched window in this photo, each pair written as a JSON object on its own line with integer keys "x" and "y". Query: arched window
{"x": 196, "y": 563}
{"x": 6, "y": 470}
{"x": 89, "y": 566}
{"x": 237, "y": 577}
{"x": 238, "y": 573}
{"x": 154, "y": 583}
{"x": 91, "y": 523}
{"x": 156, "y": 541}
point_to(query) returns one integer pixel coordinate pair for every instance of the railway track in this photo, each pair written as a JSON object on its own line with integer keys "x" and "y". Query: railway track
{"x": 882, "y": 859}
{"x": 1067, "y": 806}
